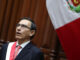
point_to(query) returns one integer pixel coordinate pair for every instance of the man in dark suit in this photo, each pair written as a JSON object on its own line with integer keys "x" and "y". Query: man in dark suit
{"x": 22, "y": 49}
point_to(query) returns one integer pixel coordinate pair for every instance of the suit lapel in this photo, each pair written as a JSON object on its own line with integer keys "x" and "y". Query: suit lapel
{"x": 24, "y": 51}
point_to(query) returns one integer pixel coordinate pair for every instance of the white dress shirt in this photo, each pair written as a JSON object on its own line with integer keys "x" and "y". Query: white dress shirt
{"x": 22, "y": 45}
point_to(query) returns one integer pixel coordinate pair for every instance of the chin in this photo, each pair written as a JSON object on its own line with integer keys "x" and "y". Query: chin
{"x": 18, "y": 38}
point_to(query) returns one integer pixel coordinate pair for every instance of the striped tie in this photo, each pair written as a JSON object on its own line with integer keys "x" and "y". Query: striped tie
{"x": 16, "y": 51}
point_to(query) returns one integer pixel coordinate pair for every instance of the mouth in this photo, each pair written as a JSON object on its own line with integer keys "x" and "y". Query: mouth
{"x": 18, "y": 33}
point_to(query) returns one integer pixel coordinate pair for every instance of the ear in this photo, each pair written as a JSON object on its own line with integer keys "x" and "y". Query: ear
{"x": 32, "y": 32}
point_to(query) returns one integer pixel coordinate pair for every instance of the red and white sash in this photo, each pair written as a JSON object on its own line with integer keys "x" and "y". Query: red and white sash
{"x": 10, "y": 50}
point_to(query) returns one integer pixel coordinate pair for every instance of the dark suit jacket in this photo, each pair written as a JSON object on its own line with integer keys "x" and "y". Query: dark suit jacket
{"x": 29, "y": 52}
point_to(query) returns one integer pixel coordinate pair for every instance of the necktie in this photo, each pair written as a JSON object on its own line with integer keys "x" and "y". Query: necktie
{"x": 16, "y": 51}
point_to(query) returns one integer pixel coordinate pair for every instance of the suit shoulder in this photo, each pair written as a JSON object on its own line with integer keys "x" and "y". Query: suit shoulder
{"x": 35, "y": 49}
{"x": 6, "y": 44}
{"x": 38, "y": 55}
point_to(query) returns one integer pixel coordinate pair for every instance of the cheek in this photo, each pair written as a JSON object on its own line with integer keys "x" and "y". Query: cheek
{"x": 26, "y": 33}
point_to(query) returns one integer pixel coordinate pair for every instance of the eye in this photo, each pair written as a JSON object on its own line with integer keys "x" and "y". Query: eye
{"x": 23, "y": 26}
{"x": 17, "y": 25}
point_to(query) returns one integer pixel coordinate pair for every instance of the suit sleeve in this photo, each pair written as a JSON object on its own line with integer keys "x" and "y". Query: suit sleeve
{"x": 3, "y": 51}
{"x": 0, "y": 53}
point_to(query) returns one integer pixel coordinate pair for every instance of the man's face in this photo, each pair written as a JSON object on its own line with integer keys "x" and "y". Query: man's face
{"x": 23, "y": 30}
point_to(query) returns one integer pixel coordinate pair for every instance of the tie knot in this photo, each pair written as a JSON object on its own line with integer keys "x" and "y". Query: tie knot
{"x": 18, "y": 47}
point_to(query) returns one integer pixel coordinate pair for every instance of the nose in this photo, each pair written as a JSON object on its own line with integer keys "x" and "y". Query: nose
{"x": 18, "y": 28}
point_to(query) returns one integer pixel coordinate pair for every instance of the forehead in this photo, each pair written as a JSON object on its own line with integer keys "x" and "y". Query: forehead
{"x": 25, "y": 22}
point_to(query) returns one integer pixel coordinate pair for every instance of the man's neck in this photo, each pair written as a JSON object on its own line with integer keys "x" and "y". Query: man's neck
{"x": 22, "y": 41}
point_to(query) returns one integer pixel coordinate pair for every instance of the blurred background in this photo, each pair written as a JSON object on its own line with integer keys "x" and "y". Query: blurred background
{"x": 46, "y": 38}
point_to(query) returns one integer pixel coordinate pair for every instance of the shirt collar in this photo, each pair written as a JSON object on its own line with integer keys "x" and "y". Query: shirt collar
{"x": 23, "y": 44}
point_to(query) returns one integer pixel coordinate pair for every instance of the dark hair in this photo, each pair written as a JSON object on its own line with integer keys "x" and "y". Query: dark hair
{"x": 33, "y": 25}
